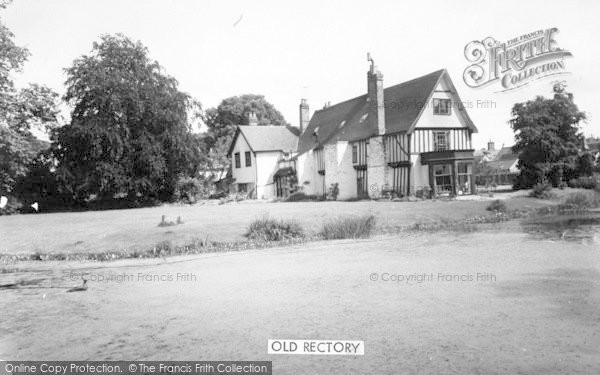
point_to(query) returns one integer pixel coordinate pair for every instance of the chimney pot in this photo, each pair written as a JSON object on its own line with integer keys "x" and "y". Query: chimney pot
{"x": 252, "y": 118}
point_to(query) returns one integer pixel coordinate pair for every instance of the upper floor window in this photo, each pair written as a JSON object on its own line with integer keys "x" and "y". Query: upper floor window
{"x": 441, "y": 106}
{"x": 238, "y": 163}
{"x": 354, "y": 153}
{"x": 440, "y": 141}
{"x": 248, "y": 159}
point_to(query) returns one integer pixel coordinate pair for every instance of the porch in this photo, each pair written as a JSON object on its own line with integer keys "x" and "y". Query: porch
{"x": 450, "y": 172}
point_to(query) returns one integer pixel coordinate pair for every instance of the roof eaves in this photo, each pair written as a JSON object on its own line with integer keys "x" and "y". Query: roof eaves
{"x": 416, "y": 120}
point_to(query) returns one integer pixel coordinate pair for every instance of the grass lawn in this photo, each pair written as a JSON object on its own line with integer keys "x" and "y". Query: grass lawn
{"x": 538, "y": 316}
{"x": 137, "y": 229}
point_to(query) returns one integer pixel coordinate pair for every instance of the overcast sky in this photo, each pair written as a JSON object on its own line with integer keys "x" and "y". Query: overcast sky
{"x": 313, "y": 49}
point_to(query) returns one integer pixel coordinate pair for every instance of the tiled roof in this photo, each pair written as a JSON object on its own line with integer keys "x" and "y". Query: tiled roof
{"x": 504, "y": 159}
{"x": 268, "y": 137}
{"x": 347, "y": 121}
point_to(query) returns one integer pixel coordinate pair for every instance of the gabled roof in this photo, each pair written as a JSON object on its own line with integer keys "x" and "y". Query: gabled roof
{"x": 504, "y": 159}
{"x": 346, "y": 121}
{"x": 267, "y": 137}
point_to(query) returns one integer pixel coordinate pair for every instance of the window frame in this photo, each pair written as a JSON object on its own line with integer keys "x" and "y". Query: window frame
{"x": 248, "y": 158}
{"x": 445, "y": 177}
{"x": 463, "y": 179}
{"x": 446, "y": 143}
{"x": 237, "y": 160}
{"x": 437, "y": 107}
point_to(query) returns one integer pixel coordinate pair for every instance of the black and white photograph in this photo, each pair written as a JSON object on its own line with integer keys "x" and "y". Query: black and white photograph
{"x": 196, "y": 187}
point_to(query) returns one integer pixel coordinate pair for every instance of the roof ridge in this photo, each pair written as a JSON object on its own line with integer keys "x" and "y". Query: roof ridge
{"x": 439, "y": 71}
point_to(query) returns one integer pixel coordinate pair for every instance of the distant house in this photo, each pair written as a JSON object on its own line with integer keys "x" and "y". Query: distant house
{"x": 256, "y": 153}
{"x": 497, "y": 167}
{"x": 407, "y": 139}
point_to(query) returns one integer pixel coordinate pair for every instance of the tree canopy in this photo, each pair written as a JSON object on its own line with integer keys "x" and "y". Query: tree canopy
{"x": 130, "y": 126}
{"x": 548, "y": 137}
{"x": 234, "y": 110}
{"x": 21, "y": 110}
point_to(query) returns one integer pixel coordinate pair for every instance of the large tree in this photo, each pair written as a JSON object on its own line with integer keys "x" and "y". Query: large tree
{"x": 548, "y": 138}
{"x": 130, "y": 126}
{"x": 21, "y": 111}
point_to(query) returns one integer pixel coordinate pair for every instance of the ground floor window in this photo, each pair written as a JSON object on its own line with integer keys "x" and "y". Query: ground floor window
{"x": 442, "y": 179}
{"x": 242, "y": 188}
{"x": 464, "y": 177}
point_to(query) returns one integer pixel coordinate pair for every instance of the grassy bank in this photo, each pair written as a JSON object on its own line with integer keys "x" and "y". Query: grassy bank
{"x": 265, "y": 232}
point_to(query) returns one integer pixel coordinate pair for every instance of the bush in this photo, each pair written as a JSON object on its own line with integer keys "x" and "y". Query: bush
{"x": 300, "y": 196}
{"x": 582, "y": 200}
{"x": 12, "y": 207}
{"x": 218, "y": 195}
{"x": 267, "y": 229}
{"x": 334, "y": 191}
{"x": 348, "y": 227}
{"x": 584, "y": 183}
{"x": 188, "y": 189}
{"x": 497, "y": 205}
{"x": 542, "y": 191}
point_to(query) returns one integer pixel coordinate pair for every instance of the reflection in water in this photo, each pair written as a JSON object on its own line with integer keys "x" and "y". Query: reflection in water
{"x": 580, "y": 227}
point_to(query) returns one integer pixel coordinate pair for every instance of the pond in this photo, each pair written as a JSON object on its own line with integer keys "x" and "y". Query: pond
{"x": 582, "y": 227}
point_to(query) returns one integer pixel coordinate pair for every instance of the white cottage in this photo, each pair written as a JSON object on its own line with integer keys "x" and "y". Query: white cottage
{"x": 257, "y": 153}
{"x": 407, "y": 139}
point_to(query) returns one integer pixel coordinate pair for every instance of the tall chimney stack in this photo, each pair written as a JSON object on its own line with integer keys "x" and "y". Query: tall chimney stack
{"x": 304, "y": 115}
{"x": 375, "y": 96}
{"x": 252, "y": 119}
{"x": 491, "y": 145}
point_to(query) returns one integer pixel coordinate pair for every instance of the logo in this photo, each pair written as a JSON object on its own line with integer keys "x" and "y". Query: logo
{"x": 514, "y": 63}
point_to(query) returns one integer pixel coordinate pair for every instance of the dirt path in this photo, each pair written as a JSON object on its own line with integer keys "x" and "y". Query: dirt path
{"x": 539, "y": 315}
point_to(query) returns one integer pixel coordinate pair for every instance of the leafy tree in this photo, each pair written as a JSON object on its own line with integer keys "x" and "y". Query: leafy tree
{"x": 548, "y": 138}
{"x": 221, "y": 121}
{"x": 585, "y": 164}
{"x": 20, "y": 111}
{"x": 130, "y": 132}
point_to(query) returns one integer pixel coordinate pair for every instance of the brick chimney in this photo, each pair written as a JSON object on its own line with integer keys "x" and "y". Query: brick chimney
{"x": 304, "y": 115}
{"x": 491, "y": 146}
{"x": 377, "y": 171}
{"x": 375, "y": 97}
{"x": 252, "y": 119}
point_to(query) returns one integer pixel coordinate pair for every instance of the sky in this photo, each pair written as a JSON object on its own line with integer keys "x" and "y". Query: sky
{"x": 316, "y": 50}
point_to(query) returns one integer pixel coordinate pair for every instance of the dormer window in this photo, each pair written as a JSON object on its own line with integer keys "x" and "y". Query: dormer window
{"x": 441, "y": 106}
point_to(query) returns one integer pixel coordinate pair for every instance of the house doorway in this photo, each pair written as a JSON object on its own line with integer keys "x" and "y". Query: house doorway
{"x": 362, "y": 190}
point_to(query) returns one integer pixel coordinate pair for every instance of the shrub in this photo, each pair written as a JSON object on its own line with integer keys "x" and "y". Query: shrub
{"x": 497, "y": 205}
{"x": 218, "y": 195}
{"x": 188, "y": 189}
{"x": 267, "y": 229}
{"x": 584, "y": 183}
{"x": 542, "y": 191}
{"x": 300, "y": 196}
{"x": 348, "y": 227}
{"x": 582, "y": 200}
{"x": 334, "y": 191}
{"x": 13, "y": 206}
